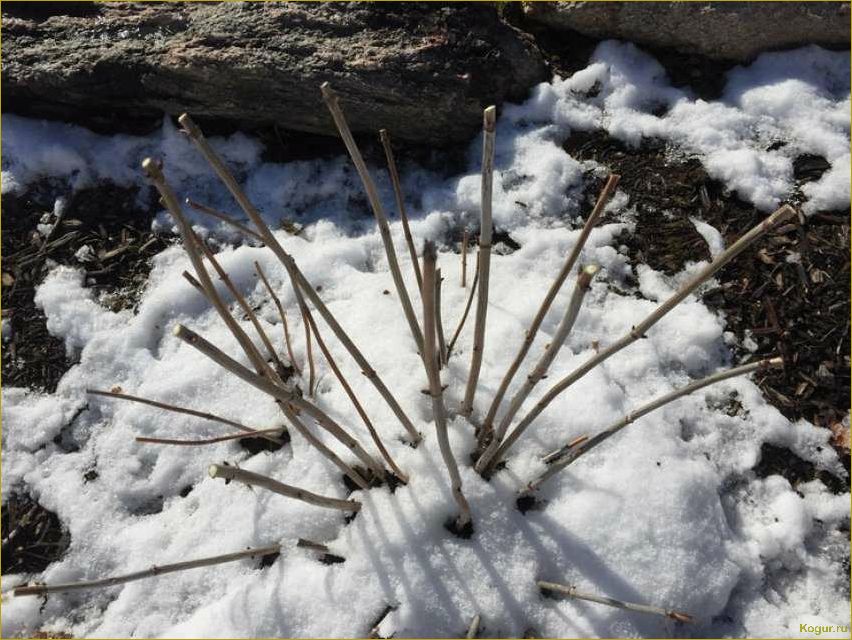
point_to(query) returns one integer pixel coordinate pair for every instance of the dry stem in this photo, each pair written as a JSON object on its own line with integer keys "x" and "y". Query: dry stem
{"x": 781, "y": 215}
{"x": 228, "y": 472}
{"x": 155, "y": 174}
{"x": 606, "y": 193}
{"x": 281, "y": 313}
{"x": 571, "y": 592}
{"x": 42, "y": 589}
{"x": 439, "y": 323}
{"x": 193, "y": 443}
{"x": 284, "y": 396}
{"x": 587, "y": 445}
{"x": 201, "y": 208}
{"x": 465, "y": 235}
{"x": 400, "y": 205}
{"x": 252, "y": 316}
{"x": 286, "y": 259}
{"x": 489, "y": 117}
{"x": 191, "y": 412}
{"x": 466, "y": 311}
{"x": 584, "y": 280}
{"x": 436, "y": 392}
{"x": 306, "y": 312}
{"x": 331, "y": 101}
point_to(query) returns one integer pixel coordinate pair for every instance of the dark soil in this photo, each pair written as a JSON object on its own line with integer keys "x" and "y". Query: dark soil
{"x": 789, "y": 293}
{"x": 33, "y": 537}
{"x": 107, "y": 219}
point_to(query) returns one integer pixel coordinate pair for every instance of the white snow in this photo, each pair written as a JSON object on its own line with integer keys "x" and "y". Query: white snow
{"x": 667, "y": 513}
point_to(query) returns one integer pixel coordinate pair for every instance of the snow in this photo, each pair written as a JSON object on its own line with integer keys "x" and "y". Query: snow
{"x": 667, "y": 513}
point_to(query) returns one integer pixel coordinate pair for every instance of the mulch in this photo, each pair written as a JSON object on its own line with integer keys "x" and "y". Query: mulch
{"x": 788, "y": 295}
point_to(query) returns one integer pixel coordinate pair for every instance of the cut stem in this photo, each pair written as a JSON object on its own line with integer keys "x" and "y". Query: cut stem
{"x": 157, "y": 570}
{"x": 571, "y": 592}
{"x": 286, "y": 259}
{"x": 591, "y": 222}
{"x": 781, "y": 215}
{"x": 201, "y": 208}
{"x": 466, "y": 311}
{"x": 332, "y": 102}
{"x": 261, "y": 433}
{"x": 250, "y": 314}
{"x": 473, "y": 627}
{"x": 279, "y": 393}
{"x": 400, "y": 205}
{"x": 306, "y": 313}
{"x": 283, "y": 315}
{"x": 436, "y": 391}
{"x": 155, "y": 174}
{"x": 584, "y": 281}
{"x": 489, "y": 118}
{"x": 587, "y": 445}
{"x": 194, "y": 443}
{"x": 250, "y": 478}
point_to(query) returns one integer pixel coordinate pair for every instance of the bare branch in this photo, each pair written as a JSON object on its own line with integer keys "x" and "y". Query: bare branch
{"x": 430, "y": 360}
{"x": 156, "y": 570}
{"x": 306, "y": 313}
{"x": 571, "y": 592}
{"x": 281, "y": 313}
{"x": 286, "y": 259}
{"x": 489, "y": 118}
{"x": 331, "y": 101}
{"x": 439, "y": 323}
{"x": 191, "y": 412}
{"x": 400, "y": 205}
{"x": 781, "y": 215}
{"x": 575, "y": 452}
{"x": 594, "y": 216}
{"x": 201, "y": 208}
{"x": 584, "y": 280}
{"x": 228, "y": 472}
{"x": 194, "y": 443}
{"x": 279, "y": 393}
{"x": 466, "y": 311}
{"x": 464, "y": 243}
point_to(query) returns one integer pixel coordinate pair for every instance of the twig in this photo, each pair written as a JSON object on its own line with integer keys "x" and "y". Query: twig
{"x": 201, "y": 208}
{"x": 464, "y": 258}
{"x": 781, "y": 215}
{"x": 286, "y": 259}
{"x": 584, "y": 280}
{"x": 195, "y": 283}
{"x": 252, "y": 316}
{"x": 261, "y": 433}
{"x": 228, "y": 472}
{"x": 331, "y": 100}
{"x": 554, "y": 455}
{"x": 571, "y": 592}
{"x": 281, "y": 313}
{"x": 42, "y": 589}
{"x": 473, "y": 627}
{"x": 191, "y": 443}
{"x": 306, "y": 313}
{"x": 312, "y": 371}
{"x": 155, "y": 174}
{"x": 436, "y": 391}
{"x": 467, "y": 305}
{"x": 400, "y": 205}
{"x": 439, "y": 323}
{"x": 606, "y": 193}
{"x": 489, "y": 131}
{"x": 279, "y": 393}
{"x": 586, "y": 446}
